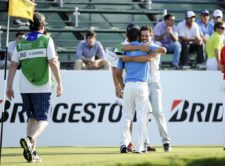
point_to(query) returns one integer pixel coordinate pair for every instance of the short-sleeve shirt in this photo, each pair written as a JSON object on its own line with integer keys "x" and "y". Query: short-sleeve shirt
{"x": 160, "y": 28}
{"x": 184, "y": 31}
{"x": 205, "y": 29}
{"x": 25, "y": 85}
{"x": 135, "y": 71}
{"x": 11, "y": 46}
{"x": 154, "y": 66}
{"x": 85, "y": 52}
{"x": 215, "y": 41}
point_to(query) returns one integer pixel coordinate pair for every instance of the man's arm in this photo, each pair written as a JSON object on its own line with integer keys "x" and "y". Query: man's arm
{"x": 221, "y": 62}
{"x": 143, "y": 58}
{"x": 100, "y": 51}
{"x": 53, "y": 63}
{"x": 144, "y": 47}
{"x": 79, "y": 52}
{"x": 11, "y": 75}
{"x": 184, "y": 39}
{"x": 115, "y": 80}
{"x": 120, "y": 86}
{"x": 222, "y": 68}
{"x": 217, "y": 55}
{"x": 160, "y": 50}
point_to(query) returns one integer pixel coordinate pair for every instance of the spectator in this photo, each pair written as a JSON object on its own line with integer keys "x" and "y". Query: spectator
{"x": 217, "y": 17}
{"x": 166, "y": 35}
{"x": 87, "y": 52}
{"x": 10, "y": 50}
{"x": 2, "y": 60}
{"x": 191, "y": 40}
{"x": 214, "y": 46}
{"x": 12, "y": 44}
{"x": 204, "y": 25}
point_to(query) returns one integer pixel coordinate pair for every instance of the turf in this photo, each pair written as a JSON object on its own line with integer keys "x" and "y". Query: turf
{"x": 99, "y": 156}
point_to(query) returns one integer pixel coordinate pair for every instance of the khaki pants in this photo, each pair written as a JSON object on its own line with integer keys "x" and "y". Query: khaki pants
{"x": 79, "y": 65}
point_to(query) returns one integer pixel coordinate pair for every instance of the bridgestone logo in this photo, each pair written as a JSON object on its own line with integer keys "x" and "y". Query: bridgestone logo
{"x": 185, "y": 111}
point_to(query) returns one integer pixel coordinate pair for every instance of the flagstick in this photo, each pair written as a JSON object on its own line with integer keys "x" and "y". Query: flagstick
{"x": 4, "y": 88}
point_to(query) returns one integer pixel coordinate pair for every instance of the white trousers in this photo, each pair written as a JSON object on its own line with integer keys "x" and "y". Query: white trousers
{"x": 135, "y": 98}
{"x": 212, "y": 64}
{"x": 155, "y": 97}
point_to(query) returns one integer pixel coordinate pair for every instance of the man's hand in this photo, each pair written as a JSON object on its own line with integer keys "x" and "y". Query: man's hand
{"x": 169, "y": 30}
{"x": 119, "y": 91}
{"x": 87, "y": 61}
{"x": 10, "y": 93}
{"x": 59, "y": 90}
{"x": 144, "y": 47}
{"x": 198, "y": 40}
{"x": 93, "y": 65}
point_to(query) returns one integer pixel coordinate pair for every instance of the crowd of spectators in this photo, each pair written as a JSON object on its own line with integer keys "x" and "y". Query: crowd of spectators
{"x": 202, "y": 38}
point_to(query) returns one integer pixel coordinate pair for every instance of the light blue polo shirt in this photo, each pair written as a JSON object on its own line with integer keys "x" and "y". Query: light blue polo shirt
{"x": 136, "y": 71}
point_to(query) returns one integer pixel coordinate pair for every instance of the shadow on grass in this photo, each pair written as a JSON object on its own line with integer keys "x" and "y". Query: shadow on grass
{"x": 200, "y": 162}
{"x": 63, "y": 153}
{"x": 207, "y": 162}
{"x": 12, "y": 154}
{"x": 142, "y": 164}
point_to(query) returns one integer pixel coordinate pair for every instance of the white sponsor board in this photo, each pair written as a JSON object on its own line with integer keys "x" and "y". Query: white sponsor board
{"x": 87, "y": 115}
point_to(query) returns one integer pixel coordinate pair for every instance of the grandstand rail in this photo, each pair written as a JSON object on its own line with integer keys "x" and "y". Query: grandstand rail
{"x": 67, "y": 29}
{"x": 134, "y": 3}
{"x": 95, "y": 11}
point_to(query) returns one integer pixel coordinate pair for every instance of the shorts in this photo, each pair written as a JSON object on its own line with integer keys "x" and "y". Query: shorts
{"x": 36, "y": 105}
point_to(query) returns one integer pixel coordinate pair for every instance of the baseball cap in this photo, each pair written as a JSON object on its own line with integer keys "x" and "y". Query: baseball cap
{"x": 205, "y": 12}
{"x": 190, "y": 14}
{"x": 217, "y": 13}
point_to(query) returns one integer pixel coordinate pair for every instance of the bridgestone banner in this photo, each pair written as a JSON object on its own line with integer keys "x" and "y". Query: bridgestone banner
{"x": 88, "y": 115}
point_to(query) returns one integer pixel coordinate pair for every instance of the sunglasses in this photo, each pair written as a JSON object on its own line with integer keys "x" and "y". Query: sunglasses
{"x": 222, "y": 28}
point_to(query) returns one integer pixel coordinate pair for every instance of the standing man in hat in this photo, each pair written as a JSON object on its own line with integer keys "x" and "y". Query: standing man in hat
{"x": 37, "y": 56}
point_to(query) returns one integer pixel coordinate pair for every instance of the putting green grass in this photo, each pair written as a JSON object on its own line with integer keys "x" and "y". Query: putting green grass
{"x": 99, "y": 156}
